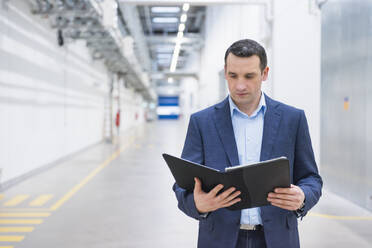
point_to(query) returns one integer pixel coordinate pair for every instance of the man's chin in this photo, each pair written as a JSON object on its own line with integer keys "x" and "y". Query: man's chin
{"x": 242, "y": 99}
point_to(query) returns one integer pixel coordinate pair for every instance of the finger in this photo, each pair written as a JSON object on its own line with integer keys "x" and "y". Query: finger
{"x": 284, "y": 202}
{"x": 230, "y": 203}
{"x": 216, "y": 189}
{"x": 284, "y": 190}
{"x": 226, "y": 194}
{"x": 231, "y": 197}
{"x": 197, "y": 187}
{"x": 295, "y": 186}
{"x": 292, "y": 203}
{"x": 298, "y": 189}
{"x": 283, "y": 196}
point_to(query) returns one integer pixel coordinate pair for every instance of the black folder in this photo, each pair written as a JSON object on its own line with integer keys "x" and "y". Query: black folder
{"x": 254, "y": 181}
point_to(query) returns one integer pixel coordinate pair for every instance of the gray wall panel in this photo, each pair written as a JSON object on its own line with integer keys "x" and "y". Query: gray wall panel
{"x": 346, "y": 73}
{"x": 368, "y": 79}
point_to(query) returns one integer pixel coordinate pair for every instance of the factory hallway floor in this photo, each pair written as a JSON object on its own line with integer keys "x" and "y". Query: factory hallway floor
{"x": 119, "y": 195}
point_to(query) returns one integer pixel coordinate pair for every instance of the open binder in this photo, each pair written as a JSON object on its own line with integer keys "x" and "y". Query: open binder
{"x": 255, "y": 181}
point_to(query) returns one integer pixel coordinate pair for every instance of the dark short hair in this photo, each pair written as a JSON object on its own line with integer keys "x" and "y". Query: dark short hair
{"x": 248, "y": 48}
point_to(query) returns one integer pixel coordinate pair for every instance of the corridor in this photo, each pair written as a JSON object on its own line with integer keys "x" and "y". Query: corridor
{"x": 119, "y": 195}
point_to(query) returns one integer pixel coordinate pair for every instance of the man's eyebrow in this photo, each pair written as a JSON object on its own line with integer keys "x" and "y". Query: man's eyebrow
{"x": 250, "y": 74}
{"x": 230, "y": 72}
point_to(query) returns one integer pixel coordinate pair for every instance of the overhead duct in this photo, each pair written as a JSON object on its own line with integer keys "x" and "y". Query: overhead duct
{"x": 84, "y": 20}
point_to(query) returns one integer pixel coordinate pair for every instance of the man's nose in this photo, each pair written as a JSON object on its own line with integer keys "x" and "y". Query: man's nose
{"x": 240, "y": 86}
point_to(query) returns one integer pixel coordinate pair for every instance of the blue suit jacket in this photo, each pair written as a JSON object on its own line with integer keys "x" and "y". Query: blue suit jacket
{"x": 210, "y": 141}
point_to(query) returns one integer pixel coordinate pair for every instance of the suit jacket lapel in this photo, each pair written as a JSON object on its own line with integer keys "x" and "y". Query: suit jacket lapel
{"x": 222, "y": 120}
{"x": 271, "y": 127}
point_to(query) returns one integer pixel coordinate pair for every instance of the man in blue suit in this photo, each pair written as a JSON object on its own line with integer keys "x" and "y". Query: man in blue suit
{"x": 247, "y": 127}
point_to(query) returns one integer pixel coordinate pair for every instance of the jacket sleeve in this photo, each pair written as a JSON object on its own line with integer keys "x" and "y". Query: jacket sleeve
{"x": 305, "y": 171}
{"x": 193, "y": 151}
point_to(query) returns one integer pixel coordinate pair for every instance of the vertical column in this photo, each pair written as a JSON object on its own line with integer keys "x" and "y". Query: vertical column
{"x": 108, "y": 132}
{"x": 296, "y": 61}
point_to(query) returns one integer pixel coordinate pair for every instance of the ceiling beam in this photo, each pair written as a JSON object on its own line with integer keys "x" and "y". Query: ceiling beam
{"x": 160, "y": 39}
{"x": 268, "y": 4}
{"x": 181, "y": 74}
{"x": 175, "y": 75}
{"x": 191, "y": 2}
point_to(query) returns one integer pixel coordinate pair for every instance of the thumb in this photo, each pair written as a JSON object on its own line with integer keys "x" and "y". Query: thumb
{"x": 197, "y": 187}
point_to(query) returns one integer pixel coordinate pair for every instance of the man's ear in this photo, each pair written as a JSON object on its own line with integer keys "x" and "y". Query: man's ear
{"x": 265, "y": 73}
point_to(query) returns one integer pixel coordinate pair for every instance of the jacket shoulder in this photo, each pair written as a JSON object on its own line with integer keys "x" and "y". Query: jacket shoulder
{"x": 205, "y": 113}
{"x": 286, "y": 108}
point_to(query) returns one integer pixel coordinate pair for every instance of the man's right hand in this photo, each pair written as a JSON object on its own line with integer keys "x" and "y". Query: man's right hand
{"x": 208, "y": 202}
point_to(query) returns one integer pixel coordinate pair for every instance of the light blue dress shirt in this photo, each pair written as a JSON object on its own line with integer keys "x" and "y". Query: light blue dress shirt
{"x": 248, "y": 131}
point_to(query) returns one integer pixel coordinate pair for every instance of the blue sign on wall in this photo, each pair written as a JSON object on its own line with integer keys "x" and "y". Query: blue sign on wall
{"x": 168, "y": 101}
{"x": 168, "y": 106}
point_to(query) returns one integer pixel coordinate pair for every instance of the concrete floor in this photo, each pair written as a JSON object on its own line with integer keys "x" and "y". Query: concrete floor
{"x": 120, "y": 196}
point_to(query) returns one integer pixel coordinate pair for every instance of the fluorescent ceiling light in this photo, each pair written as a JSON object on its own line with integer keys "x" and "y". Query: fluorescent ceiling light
{"x": 165, "y": 19}
{"x": 186, "y": 7}
{"x": 177, "y": 49}
{"x": 179, "y": 36}
{"x": 170, "y": 80}
{"x": 181, "y": 27}
{"x": 174, "y": 60}
{"x": 183, "y": 18}
{"x": 165, "y": 9}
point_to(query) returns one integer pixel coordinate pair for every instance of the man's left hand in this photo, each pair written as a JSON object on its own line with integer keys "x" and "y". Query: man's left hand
{"x": 287, "y": 198}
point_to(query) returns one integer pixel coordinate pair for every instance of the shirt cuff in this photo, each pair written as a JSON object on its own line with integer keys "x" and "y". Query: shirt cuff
{"x": 300, "y": 212}
{"x": 203, "y": 216}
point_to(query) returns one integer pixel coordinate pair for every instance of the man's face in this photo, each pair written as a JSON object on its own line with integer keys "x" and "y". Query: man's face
{"x": 244, "y": 78}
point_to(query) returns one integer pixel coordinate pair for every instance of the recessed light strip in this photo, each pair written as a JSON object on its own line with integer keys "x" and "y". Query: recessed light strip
{"x": 186, "y": 7}
{"x": 181, "y": 29}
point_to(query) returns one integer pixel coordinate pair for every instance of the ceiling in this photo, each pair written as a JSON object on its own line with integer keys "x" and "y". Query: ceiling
{"x": 161, "y": 26}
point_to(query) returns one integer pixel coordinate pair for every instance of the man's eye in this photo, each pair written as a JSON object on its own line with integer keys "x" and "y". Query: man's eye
{"x": 248, "y": 77}
{"x": 233, "y": 76}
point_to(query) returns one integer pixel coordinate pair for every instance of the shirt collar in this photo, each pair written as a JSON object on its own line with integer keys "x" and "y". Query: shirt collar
{"x": 261, "y": 105}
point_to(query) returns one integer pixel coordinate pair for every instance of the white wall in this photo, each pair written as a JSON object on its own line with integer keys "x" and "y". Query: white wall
{"x": 189, "y": 87}
{"x": 296, "y": 61}
{"x": 51, "y": 97}
{"x": 224, "y": 25}
{"x": 189, "y": 96}
{"x": 293, "y": 50}
{"x": 132, "y": 109}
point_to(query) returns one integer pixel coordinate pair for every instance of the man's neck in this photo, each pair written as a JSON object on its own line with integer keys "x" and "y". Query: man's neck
{"x": 250, "y": 107}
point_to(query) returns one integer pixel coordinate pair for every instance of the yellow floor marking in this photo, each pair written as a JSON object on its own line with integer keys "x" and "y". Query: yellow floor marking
{"x": 24, "y": 210}
{"x": 77, "y": 187}
{"x": 17, "y": 229}
{"x": 24, "y": 214}
{"x": 11, "y": 238}
{"x": 40, "y": 201}
{"x": 1, "y": 197}
{"x": 336, "y": 217}
{"x": 21, "y": 221}
{"x": 137, "y": 146}
{"x": 16, "y": 200}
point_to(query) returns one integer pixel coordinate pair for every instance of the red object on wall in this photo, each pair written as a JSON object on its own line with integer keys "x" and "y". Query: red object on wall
{"x": 136, "y": 116}
{"x": 117, "y": 121}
